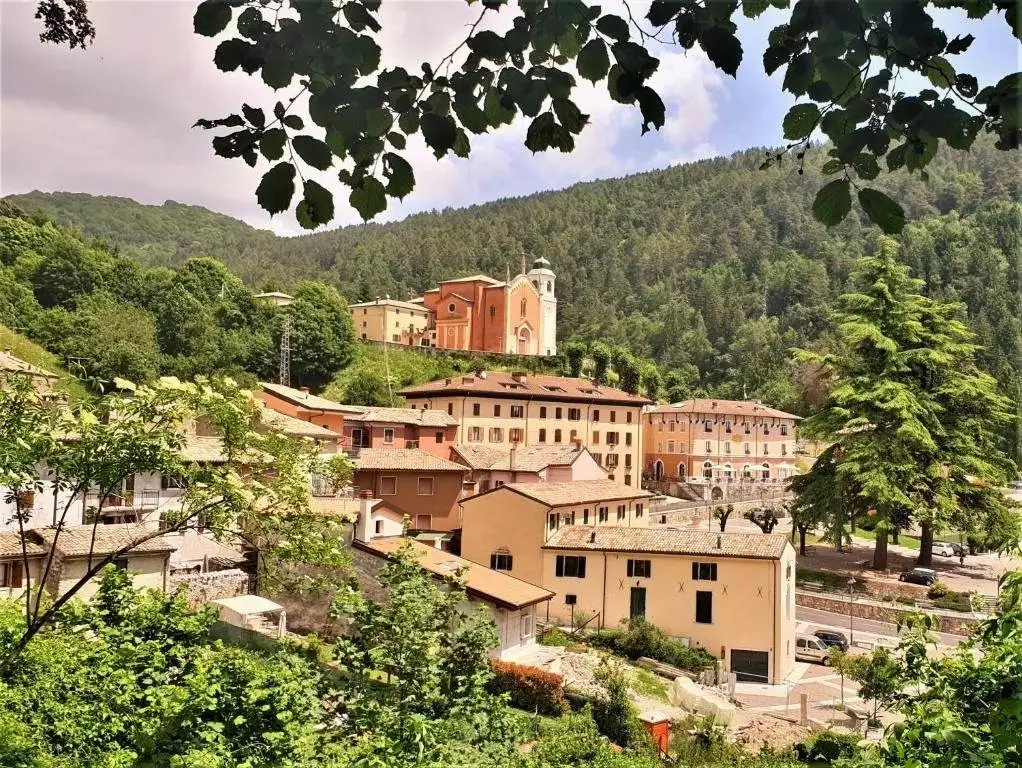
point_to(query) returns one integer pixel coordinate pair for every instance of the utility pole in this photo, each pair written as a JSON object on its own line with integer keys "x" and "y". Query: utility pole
{"x": 284, "y": 374}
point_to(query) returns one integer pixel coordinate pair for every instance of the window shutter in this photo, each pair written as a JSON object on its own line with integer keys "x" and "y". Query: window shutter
{"x": 16, "y": 574}
{"x": 164, "y": 482}
{"x": 510, "y": 562}
{"x": 560, "y": 565}
{"x": 695, "y": 571}
{"x": 713, "y": 571}
{"x": 581, "y": 567}
{"x": 631, "y": 568}
{"x": 493, "y": 562}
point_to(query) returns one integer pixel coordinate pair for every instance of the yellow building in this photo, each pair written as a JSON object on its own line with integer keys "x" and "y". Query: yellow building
{"x": 505, "y": 527}
{"x": 396, "y": 322}
{"x": 500, "y": 408}
{"x": 730, "y": 593}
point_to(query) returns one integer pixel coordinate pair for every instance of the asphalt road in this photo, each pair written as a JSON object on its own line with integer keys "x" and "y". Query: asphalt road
{"x": 865, "y": 629}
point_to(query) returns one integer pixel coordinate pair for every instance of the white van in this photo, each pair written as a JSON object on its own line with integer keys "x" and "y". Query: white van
{"x": 809, "y": 648}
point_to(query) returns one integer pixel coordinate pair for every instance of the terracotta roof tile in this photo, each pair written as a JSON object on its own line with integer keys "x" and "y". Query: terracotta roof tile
{"x": 571, "y": 492}
{"x": 11, "y": 364}
{"x": 669, "y": 541}
{"x": 77, "y": 541}
{"x": 529, "y": 386}
{"x": 725, "y": 408}
{"x": 289, "y": 425}
{"x": 528, "y": 458}
{"x": 10, "y": 545}
{"x": 390, "y": 303}
{"x": 308, "y": 400}
{"x": 407, "y": 459}
{"x": 423, "y": 417}
{"x": 480, "y": 581}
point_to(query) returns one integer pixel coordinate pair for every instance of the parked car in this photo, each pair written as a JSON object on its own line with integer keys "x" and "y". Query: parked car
{"x": 944, "y": 549}
{"x": 809, "y": 648}
{"x": 924, "y": 576}
{"x": 832, "y": 639}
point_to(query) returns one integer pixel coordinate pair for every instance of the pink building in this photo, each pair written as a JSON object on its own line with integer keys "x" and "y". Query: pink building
{"x": 493, "y": 466}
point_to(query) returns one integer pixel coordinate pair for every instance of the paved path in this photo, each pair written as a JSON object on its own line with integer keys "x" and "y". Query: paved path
{"x": 864, "y": 629}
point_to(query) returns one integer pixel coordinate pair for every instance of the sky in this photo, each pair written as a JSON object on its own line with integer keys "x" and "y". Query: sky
{"x": 116, "y": 119}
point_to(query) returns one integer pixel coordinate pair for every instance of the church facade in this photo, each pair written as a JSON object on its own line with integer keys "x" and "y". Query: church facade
{"x": 476, "y": 313}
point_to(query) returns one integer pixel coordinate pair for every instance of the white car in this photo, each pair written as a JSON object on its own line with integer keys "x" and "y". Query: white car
{"x": 943, "y": 549}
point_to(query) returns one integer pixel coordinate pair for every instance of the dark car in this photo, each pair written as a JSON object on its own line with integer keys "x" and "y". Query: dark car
{"x": 924, "y": 576}
{"x": 832, "y": 639}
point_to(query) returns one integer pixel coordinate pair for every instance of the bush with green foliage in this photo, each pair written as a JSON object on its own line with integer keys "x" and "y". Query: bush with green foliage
{"x": 643, "y": 638}
{"x": 938, "y": 589}
{"x": 529, "y": 688}
{"x": 828, "y": 747}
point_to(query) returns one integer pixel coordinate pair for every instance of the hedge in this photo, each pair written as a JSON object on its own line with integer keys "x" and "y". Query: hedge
{"x": 645, "y": 639}
{"x": 530, "y": 688}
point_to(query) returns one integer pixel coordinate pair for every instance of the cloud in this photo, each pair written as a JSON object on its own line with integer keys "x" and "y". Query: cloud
{"x": 116, "y": 119}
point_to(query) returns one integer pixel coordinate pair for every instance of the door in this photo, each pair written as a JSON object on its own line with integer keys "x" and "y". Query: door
{"x": 751, "y": 666}
{"x": 637, "y": 607}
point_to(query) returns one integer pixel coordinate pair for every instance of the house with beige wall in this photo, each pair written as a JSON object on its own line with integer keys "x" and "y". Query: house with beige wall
{"x": 492, "y": 466}
{"x": 730, "y": 593}
{"x": 13, "y": 562}
{"x": 719, "y": 441}
{"x": 507, "y": 526}
{"x": 392, "y": 321}
{"x": 498, "y": 408}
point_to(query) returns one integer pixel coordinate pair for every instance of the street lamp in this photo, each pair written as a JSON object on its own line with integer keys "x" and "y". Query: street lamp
{"x": 851, "y": 628}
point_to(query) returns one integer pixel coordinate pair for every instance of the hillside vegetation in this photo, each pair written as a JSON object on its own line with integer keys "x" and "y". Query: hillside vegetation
{"x": 32, "y": 353}
{"x": 713, "y": 269}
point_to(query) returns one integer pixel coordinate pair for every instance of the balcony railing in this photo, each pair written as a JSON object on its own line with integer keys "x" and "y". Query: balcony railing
{"x": 144, "y": 500}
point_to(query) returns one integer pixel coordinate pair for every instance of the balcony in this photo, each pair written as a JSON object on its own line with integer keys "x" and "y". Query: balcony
{"x": 124, "y": 500}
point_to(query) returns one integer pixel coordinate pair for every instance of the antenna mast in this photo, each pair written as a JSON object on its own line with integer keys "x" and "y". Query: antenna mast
{"x": 284, "y": 374}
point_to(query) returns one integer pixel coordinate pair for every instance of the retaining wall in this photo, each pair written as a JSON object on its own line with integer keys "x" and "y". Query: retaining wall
{"x": 953, "y": 625}
{"x": 203, "y": 587}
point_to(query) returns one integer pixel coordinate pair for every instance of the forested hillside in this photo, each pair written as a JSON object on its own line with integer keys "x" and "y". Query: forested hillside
{"x": 713, "y": 269}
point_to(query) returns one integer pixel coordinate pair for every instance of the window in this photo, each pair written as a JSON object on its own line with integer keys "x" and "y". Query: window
{"x": 638, "y": 510}
{"x": 613, "y": 416}
{"x": 475, "y": 434}
{"x": 10, "y": 575}
{"x": 121, "y": 563}
{"x": 621, "y": 511}
{"x": 450, "y": 409}
{"x": 727, "y": 447}
{"x": 388, "y": 436}
{"x": 766, "y": 449}
{"x": 514, "y": 435}
{"x": 704, "y": 571}
{"x": 475, "y": 409}
{"x": 524, "y": 307}
{"x": 438, "y": 437}
{"x": 542, "y": 411}
{"x": 670, "y": 427}
{"x": 707, "y": 426}
{"x": 704, "y": 607}
{"x": 452, "y": 307}
{"x": 493, "y": 312}
{"x": 727, "y": 427}
{"x": 388, "y": 486}
{"x": 557, "y": 413}
{"x": 501, "y": 561}
{"x": 395, "y": 337}
{"x": 628, "y": 459}
{"x": 570, "y": 599}
{"x": 628, "y": 438}
{"x": 379, "y": 527}
{"x": 557, "y": 435}
{"x": 572, "y": 436}
{"x": 496, "y": 435}
{"x": 496, "y": 410}
{"x": 575, "y": 414}
{"x": 748, "y": 450}
{"x": 766, "y": 430}
{"x": 604, "y": 514}
{"x": 748, "y": 429}
{"x": 497, "y": 483}
{"x": 784, "y": 429}
{"x": 628, "y": 479}
{"x": 670, "y": 446}
{"x": 517, "y": 411}
{"x": 168, "y": 481}
{"x": 611, "y": 460}
{"x": 639, "y": 569}
{"x": 425, "y": 486}
{"x": 542, "y": 435}
{"x": 596, "y": 438}
{"x": 598, "y": 458}
{"x": 585, "y": 517}
{"x": 628, "y": 417}
{"x": 423, "y": 522}
{"x": 612, "y": 438}
{"x": 596, "y": 415}
{"x": 707, "y": 446}
{"x": 571, "y": 566}
{"x": 784, "y": 449}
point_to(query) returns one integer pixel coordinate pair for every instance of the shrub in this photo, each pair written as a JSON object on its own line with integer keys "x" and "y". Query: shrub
{"x": 954, "y": 601}
{"x": 606, "y": 638}
{"x": 555, "y": 636}
{"x": 905, "y": 600}
{"x": 827, "y": 747}
{"x": 530, "y": 688}
{"x": 646, "y": 639}
{"x": 938, "y": 589}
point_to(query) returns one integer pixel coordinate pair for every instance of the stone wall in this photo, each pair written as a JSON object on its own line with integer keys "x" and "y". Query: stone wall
{"x": 203, "y": 587}
{"x": 692, "y": 514}
{"x": 947, "y": 623}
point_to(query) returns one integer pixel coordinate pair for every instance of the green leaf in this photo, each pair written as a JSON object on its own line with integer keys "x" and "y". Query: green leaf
{"x": 832, "y": 166}
{"x": 293, "y": 122}
{"x": 496, "y": 113}
{"x": 211, "y": 18}
{"x": 470, "y": 116}
{"x": 960, "y": 44}
{"x": 570, "y": 43}
{"x": 230, "y": 54}
{"x": 634, "y": 58}
{"x": 842, "y": 77}
{"x": 368, "y": 198}
{"x": 882, "y": 210}
{"x": 461, "y": 144}
{"x": 569, "y": 114}
{"x": 400, "y": 177}
{"x": 378, "y": 121}
{"x": 799, "y": 75}
{"x": 940, "y": 72}
{"x": 613, "y": 27}
{"x": 272, "y": 143}
{"x": 866, "y": 166}
{"x": 753, "y": 8}
{"x": 277, "y": 70}
{"x": 397, "y": 140}
{"x": 593, "y": 62}
{"x": 313, "y": 151}
{"x": 541, "y": 132}
{"x": 662, "y": 12}
{"x": 317, "y": 206}
{"x": 359, "y": 18}
{"x": 723, "y": 48}
{"x": 409, "y": 122}
{"x": 489, "y": 45}
{"x": 652, "y": 108}
{"x": 254, "y": 115}
{"x": 833, "y": 202}
{"x": 800, "y": 121}
{"x": 440, "y": 132}
{"x": 276, "y": 189}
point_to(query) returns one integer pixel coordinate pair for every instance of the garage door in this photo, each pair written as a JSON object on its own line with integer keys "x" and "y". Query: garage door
{"x": 751, "y": 666}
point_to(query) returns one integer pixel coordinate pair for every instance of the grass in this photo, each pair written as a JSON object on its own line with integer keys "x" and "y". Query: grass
{"x": 834, "y": 582}
{"x": 35, "y": 355}
{"x": 645, "y": 683}
{"x": 910, "y": 542}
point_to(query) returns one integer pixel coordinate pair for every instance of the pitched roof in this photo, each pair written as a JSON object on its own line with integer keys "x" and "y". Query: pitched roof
{"x": 203, "y": 450}
{"x": 423, "y": 417}
{"x": 11, "y": 364}
{"x": 725, "y": 408}
{"x": 472, "y": 279}
{"x": 570, "y": 492}
{"x": 526, "y": 387}
{"x": 403, "y": 459}
{"x": 308, "y": 400}
{"x": 391, "y": 303}
{"x": 671, "y": 541}
{"x": 289, "y": 425}
{"x": 480, "y": 581}
{"x": 10, "y": 545}
{"x": 273, "y": 295}
{"x": 76, "y": 541}
{"x": 527, "y": 458}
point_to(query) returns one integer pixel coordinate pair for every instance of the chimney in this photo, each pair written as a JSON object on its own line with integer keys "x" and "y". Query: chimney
{"x": 364, "y": 524}
{"x": 592, "y": 537}
{"x": 519, "y": 376}
{"x": 467, "y": 380}
{"x": 577, "y": 442}
{"x": 718, "y": 541}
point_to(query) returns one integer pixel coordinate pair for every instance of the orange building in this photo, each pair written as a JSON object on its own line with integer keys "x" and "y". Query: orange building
{"x": 719, "y": 440}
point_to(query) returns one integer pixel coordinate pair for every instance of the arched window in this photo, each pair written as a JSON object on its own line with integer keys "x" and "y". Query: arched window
{"x": 766, "y": 471}
{"x": 658, "y": 470}
{"x": 452, "y": 307}
{"x": 727, "y": 471}
{"x": 707, "y": 469}
{"x": 549, "y": 287}
{"x": 747, "y": 472}
{"x": 524, "y": 305}
{"x": 682, "y": 470}
{"x": 557, "y": 435}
